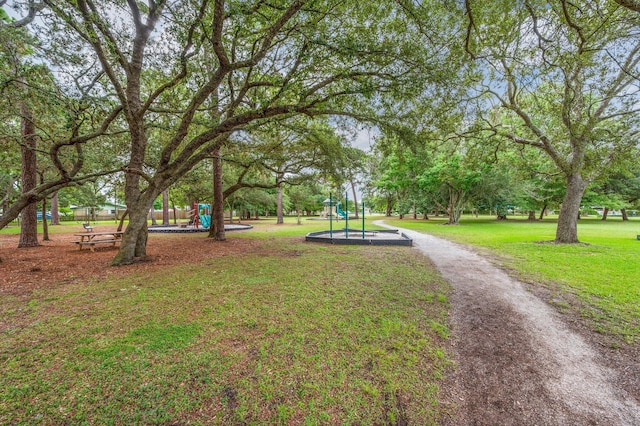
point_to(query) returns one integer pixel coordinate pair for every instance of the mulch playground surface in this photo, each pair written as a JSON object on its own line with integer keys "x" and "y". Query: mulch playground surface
{"x": 59, "y": 262}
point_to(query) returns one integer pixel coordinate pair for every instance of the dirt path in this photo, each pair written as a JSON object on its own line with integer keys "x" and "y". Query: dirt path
{"x": 517, "y": 362}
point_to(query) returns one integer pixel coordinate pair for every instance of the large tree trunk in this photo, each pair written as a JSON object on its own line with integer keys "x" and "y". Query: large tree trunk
{"x": 217, "y": 215}
{"x": 532, "y": 216}
{"x": 624, "y": 214}
{"x": 55, "y": 213}
{"x": 567, "y": 230}
{"x": 29, "y": 224}
{"x": 605, "y": 213}
{"x": 456, "y": 198}
{"x": 389, "y": 208}
{"x": 134, "y": 240}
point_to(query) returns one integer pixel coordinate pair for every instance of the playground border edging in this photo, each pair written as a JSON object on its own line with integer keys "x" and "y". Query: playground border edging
{"x": 317, "y": 237}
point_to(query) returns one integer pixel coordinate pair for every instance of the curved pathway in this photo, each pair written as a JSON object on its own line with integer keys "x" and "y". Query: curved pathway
{"x": 517, "y": 363}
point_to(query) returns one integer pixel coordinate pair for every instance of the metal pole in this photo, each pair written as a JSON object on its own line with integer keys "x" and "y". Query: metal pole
{"x": 363, "y": 220}
{"x": 346, "y": 215}
{"x": 330, "y": 216}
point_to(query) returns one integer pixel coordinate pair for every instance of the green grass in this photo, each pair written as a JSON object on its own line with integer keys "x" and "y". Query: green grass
{"x": 289, "y": 333}
{"x": 64, "y": 227}
{"x": 599, "y": 279}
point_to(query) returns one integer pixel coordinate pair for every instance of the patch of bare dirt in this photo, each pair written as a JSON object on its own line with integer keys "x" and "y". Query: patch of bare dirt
{"x": 518, "y": 360}
{"x": 59, "y": 262}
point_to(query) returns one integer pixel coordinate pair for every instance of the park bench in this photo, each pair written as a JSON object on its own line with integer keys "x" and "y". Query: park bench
{"x": 87, "y": 227}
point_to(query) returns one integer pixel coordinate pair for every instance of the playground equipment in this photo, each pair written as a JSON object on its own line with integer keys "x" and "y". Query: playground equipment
{"x": 175, "y": 229}
{"x": 199, "y": 221}
{"x": 341, "y": 212}
{"x": 201, "y": 215}
{"x": 358, "y": 236}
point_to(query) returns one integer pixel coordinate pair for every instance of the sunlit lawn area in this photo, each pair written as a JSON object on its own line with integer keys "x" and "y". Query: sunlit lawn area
{"x": 604, "y": 272}
{"x": 290, "y": 332}
{"x": 64, "y": 227}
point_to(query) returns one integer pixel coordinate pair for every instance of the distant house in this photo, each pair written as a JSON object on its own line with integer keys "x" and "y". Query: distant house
{"x": 104, "y": 211}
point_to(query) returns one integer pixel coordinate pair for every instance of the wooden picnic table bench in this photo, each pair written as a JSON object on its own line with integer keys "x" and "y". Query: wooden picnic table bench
{"x": 92, "y": 238}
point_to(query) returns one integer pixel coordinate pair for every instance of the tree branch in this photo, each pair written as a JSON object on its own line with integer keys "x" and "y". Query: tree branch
{"x": 630, "y": 4}
{"x": 470, "y": 27}
{"x": 34, "y": 8}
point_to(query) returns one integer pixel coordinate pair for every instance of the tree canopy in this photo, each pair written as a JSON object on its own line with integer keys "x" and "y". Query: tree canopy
{"x": 563, "y": 82}
{"x": 148, "y": 91}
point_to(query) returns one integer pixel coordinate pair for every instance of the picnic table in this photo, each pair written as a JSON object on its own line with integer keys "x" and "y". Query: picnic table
{"x": 92, "y": 238}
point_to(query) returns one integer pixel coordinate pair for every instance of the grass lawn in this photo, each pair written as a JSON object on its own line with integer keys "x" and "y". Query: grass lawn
{"x": 64, "y": 227}
{"x": 599, "y": 279}
{"x": 288, "y": 333}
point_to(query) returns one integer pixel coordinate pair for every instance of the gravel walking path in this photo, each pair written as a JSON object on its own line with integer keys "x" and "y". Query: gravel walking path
{"x": 517, "y": 363}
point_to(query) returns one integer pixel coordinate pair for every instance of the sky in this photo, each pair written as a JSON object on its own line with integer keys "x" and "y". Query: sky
{"x": 364, "y": 139}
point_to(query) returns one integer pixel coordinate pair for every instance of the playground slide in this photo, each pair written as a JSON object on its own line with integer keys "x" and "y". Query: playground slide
{"x": 205, "y": 220}
{"x": 339, "y": 210}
